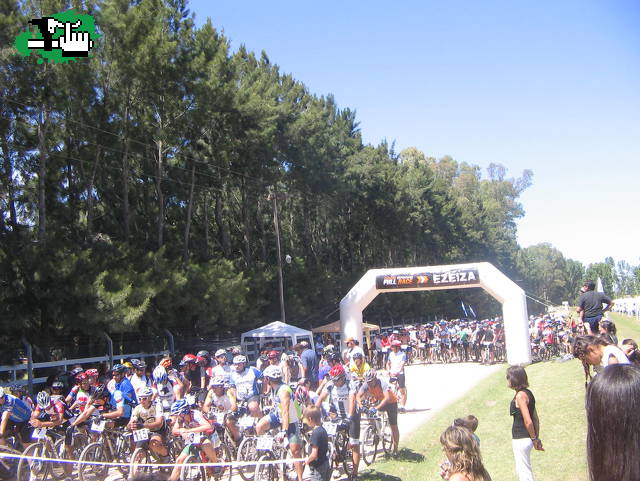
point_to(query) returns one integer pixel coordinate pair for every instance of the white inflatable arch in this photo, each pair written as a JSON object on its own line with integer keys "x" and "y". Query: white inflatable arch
{"x": 482, "y": 274}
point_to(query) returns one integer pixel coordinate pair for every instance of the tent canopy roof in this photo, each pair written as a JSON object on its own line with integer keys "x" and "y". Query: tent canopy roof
{"x": 277, "y": 329}
{"x": 335, "y": 327}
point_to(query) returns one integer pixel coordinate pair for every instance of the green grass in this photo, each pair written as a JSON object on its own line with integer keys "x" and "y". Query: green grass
{"x": 559, "y": 391}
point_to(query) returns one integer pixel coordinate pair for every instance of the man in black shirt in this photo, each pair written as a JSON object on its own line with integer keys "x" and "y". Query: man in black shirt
{"x": 590, "y": 306}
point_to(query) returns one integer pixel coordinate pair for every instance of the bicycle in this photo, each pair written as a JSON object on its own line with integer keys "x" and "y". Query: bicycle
{"x": 143, "y": 454}
{"x": 378, "y": 430}
{"x": 111, "y": 446}
{"x": 270, "y": 449}
{"x": 8, "y": 466}
{"x": 247, "y": 448}
{"x": 197, "y": 455}
{"x": 340, "y": 452}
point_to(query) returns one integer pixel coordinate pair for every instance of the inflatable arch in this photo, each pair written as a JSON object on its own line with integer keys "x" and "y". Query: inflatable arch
{"x": 482, "y": 274}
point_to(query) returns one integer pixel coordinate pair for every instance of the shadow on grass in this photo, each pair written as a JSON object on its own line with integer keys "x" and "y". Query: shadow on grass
{"x": 378, "y": 476}
{"x": 406, "y": 454}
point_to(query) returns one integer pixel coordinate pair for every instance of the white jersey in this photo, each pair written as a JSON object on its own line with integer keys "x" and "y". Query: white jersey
{"x": 396, "y": 359}
{"x": 166, "y": 396}
{"x": 220, "y": 403}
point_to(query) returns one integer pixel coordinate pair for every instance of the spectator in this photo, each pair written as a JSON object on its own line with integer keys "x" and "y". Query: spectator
{"x": 597, "y": 352}
{"x": 630, "y": 349}
{"x": 317, "y": 460}
{"x": 309, "y": 362}
{"x": 526, "y": 426}
{"x": 590, "y": 306}
{"x": 464, "y": 462}
{"x": 471, "y": 423}
{"x": 612, "y": 404}
{"x": 608, "y": 331}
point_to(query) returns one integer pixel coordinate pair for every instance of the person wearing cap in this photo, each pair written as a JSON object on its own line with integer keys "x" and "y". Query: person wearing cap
{"x": 590, "y": 306}
{"x": 285, "y": 414}
{"x": 15, "y": 415}
{"x": 222, "y": 368}
{"x": 352, "y": 347}
{"x": 395, "y": 366}
{"x": 274, "y": 358}
{"x": 148, "y": 415}
{"x": 245, "y": 386}
{"x": 139, "y": 379}
{"x": 221, "y": 399}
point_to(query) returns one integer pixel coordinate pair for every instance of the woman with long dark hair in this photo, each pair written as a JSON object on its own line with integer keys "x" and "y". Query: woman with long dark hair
{"x": 526, "y": 425}
{"x": 463, "y": 456}
{"x": 613, "y": 424}
{"x": 597, "y": 352}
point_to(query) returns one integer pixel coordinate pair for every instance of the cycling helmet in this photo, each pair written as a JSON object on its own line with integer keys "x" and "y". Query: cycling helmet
{"x": 328, "y": 348}
{"x": 74, "y": 372}
{"x": 43, "y": 399}
{"x": 236, "y": 350}
{"x": 160, "y": 375}
{"x": 91, "y": 373}
{"x": 57, "y": 385}
{"x": 357, "y": 355}
{"x": 220, "y": 352}
{"x": 166, "y": 363}
{"x": 273, "y": 354}
{"x": 336, "y": 372}
{"x": 100, "y": 392}
{"x": 239, "y": 359}
{"x": 273, "y": 372}
{"x": 134, "y": 362}
{"x": 204, "y": 354}
{"x": 302, "y": 395}
{"x": 335, "y": 356}
{"x": 17, "y": 388}
{"x": 188, "y": 358}
{"x": 370, "y": 375}
{"x": 128, "y": 364}
{"x": 217, "y": 381}
{"x": 118, "y": 368}
{"x": 81, "y": 377}
{"x": 181, "y": 406}
{"x": 396, "y": 343}
{"x": 145, "y": 392}
{"x": 141, "y": 365}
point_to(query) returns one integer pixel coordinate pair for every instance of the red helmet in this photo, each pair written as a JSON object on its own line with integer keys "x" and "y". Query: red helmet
{"x": 396, "y": 342}
{"x": 273, "y": 354}
{"x": 81, "y": 377}
{"x": 336, "y": 372}
{"x": 189, "y": 358}
{"x": 91, "y": 373}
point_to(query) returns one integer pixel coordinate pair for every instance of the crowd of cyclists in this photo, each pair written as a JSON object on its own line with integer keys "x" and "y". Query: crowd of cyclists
{"x": 213, "y": 408}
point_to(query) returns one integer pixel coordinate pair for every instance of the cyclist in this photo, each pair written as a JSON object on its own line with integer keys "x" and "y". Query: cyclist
{"x": 395, "y": 367}
{"x": 342, "y": 406}
{"x": 148, "y": 415}
{"x": 190, "y": 372}
{"x": 79, "y": 394}
{"x": 359, "y": 367}
{"x": 385, "y": 400}
{"x": 56, "y": 391}
{"x": 15, "y": 416}
{"x": 97, "y": 404}
{"x": 166, "y": 391}
{"x": 285, "y": 414}
{"x": 195, "y": 430}
{"x": 48, "y": 412}
{"x": 245, "y": 386}
{"x": 19, "y": 391}
{"x": 204, "y": 364}
{"x": 487, "y": 345}
{"x": 122, "y": 398}
{"x": 139, "y": 379}
{"x": 222, "y": 400}
{"x": 222, "y": 368}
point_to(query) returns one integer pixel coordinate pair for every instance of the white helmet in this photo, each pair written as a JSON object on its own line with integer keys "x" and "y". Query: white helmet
{"x": 273, "y": 372}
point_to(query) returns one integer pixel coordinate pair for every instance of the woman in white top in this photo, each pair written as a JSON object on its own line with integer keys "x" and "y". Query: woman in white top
{"x": 597, "y": 352}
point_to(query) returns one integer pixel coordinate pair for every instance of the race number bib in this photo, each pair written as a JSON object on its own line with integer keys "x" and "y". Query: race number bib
{"x": 330, "y": 428}
{"x": 194, "y": 438}
{"x": 220, "y": 418}
{"x": 98, "y": 426}
{"x": 264, "y": 443}
{"x": 191, "y": 399}
{"x": 39, "y": 433}
{"x": 141, "y": 435}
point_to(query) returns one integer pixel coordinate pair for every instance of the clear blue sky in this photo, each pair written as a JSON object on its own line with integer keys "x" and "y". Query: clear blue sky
{"x": 549, "y": 86}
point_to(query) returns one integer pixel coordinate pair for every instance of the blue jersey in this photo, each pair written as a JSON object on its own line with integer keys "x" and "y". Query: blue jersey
{"x": 126, "y": 397}
{"x": 118, "y": 400}
{"x": 246, "y": 382}
{"x": 20, "y": 411}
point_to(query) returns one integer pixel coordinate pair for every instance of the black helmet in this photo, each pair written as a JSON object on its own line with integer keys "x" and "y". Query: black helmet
{"x": 100, "y": 392}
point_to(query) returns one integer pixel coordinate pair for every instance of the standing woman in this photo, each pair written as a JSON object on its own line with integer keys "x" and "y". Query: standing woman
{"x": 526, "y": 426}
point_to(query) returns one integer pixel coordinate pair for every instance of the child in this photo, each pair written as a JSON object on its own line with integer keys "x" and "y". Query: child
{"x": 471, "y": 423}
{"x": 317, "y": 460}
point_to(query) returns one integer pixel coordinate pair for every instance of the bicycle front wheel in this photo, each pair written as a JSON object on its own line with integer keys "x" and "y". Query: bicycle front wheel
{"x": 32, "y": 467}
{"x": 266, "y": 472}
{"x": 387, "y": 437}
{"x": 192, "y": 473}
{"x": 369, "y": 445}
{"x": 93, "y": 453}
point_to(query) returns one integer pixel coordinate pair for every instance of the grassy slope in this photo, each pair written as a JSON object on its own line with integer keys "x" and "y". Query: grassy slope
{"x": 559, "y": 391}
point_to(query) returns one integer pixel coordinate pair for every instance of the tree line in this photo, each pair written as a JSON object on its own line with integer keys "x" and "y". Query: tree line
{"x": 141, "y": 188}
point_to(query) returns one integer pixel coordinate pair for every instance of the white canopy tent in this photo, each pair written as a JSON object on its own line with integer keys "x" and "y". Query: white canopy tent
{"x": 277, "y": 333}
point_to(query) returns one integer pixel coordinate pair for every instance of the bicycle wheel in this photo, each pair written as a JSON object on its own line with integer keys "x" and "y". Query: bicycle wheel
{"x": 192, "y": 473}
{"x": 369, "y": 445}
{"x": 346, "y": 453}
{"x": 8, "y": 466}
{"x": 247, "y": 452}
{"x": 139, "y": 456}
{"x": 224, "y": 456}
{"x": 266, "y": 472}
{"x": 58, "y": 470}
{"x": 31, "y": 467}
{"x": 387, "y": 436}
{"x": 93, "y": 453}
{"x": 123, "y": 452}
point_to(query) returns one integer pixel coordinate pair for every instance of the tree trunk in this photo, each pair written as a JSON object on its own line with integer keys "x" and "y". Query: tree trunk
{"x": 42, "y": 174}
{"x": 185, "y": 254}
{"x": 222, "y": 228}
{"x": 160, "y": 196}
{"x": 206, "y": 223}
{"x": 246, "y": 227}
{"x": 8, "y": 169}
{"x": 89, "y": 190}
{"x": 125, "y": 177}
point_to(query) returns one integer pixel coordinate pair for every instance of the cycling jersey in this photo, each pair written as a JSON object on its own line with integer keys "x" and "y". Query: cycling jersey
{"x": 118, "y": 400}
{"x": 339, "y": 398}
{"x": 358, "y": 372}
{"x": 81, "y": 399}
{"x": 197, "y": 419}
{"x": 165, "y": 396}
{"x": 294, "y": 408}
{"x": 220, "y": 403}
{"x": 246, "y": 382}
{"x": 142, "y": 415}
{"x": 127, "y": 393}
{"x": 139, "y": 382}
{"x": 221, "y": 370}
{"x": 19, "y": 410}
{"x": 55, "y": 408}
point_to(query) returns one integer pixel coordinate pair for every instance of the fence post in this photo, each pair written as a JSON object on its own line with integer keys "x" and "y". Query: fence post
{"x": 170, "y": 341}
{"x": 27, "y": 348}
{"x": 109, "y": 348}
